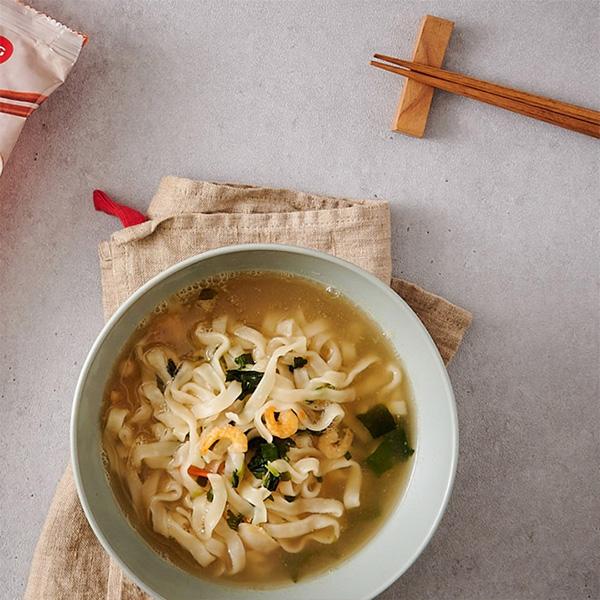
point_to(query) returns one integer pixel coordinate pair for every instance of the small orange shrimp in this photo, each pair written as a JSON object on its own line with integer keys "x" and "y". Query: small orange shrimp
{"x": 333, "y": 444}
{"x": 282, "y": 426}
{"x": 239, "y": 441}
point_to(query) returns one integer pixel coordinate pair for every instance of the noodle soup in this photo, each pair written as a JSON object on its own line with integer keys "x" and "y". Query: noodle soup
{"x": 257, "y": 428}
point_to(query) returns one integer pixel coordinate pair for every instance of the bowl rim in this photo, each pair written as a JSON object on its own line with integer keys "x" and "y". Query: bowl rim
{"x": 240, "y": 248}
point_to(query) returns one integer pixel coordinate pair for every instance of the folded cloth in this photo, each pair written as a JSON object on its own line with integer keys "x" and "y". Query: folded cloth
{"x": 186, "y": 218}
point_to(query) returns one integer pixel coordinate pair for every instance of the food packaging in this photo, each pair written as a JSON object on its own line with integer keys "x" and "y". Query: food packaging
{"x": 36, "y": 55}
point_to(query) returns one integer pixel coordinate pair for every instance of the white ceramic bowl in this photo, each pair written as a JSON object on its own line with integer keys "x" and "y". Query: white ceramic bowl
{"x": 412, "y": 522}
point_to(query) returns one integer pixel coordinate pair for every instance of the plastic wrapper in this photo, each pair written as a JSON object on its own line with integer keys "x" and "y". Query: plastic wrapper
{"x": 36, "y": 55}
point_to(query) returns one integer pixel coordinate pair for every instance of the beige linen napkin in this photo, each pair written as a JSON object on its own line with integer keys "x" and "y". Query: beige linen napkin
{"x": 188, "y": 217}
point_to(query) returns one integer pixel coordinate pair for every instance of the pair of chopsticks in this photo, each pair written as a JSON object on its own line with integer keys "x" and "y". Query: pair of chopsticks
{"x": 569, "y": 116}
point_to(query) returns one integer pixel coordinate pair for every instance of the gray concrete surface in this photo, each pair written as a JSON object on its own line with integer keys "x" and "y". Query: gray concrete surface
{"x": 492, "y": 210}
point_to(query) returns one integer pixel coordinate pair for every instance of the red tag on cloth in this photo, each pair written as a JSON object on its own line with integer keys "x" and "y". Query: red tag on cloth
{"x": 128, "y": 216}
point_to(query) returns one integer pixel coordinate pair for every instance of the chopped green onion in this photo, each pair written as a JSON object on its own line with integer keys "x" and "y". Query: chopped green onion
{"x": 270, "y": 481}
{"x": 210, "y": 495}
{"x": 264, "y": 454}
{"x": 290, "y": 498}
{"x": 160, "y": 384}
{"x": 272, "y": 470}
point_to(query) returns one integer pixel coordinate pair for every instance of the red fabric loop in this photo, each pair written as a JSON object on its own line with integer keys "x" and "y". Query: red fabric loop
{"x": 127, "y": 216}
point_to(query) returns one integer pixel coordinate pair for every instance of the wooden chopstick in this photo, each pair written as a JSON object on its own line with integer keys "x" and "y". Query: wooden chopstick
{"x": 518, "y": 106}
{"x": 579, "y": 112}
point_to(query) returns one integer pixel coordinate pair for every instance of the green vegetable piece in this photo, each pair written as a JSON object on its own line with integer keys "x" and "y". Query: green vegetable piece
{"x": 263, "y": 455}
{"x": 244, "y": 359}
{"x": 378, "y": 420}
{"x": 160, "y": 384}
{"x": 271, "y": 469}
{"x": 283, "y": 445}
{"x": 299, "y": 362}
{"x": 257, "y": 465}
{"x": 207, "y": 294}
{"x": 172, "y": 368}
{"x": 393, "y": 449}
{"x": 269, "y": 452}
{"x": 255, "y": 442}
{"x": 248, "y": 379}
{"x": 233, "y": 520}
{"x": 326, "y": 386}
{"x": 270, "y": 480}
{"x": 235, "y": 478}
{"x": 210, "y": 495}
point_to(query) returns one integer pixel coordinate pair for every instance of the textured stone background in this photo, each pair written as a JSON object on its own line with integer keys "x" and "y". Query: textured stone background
{"x": 494, "y": 211}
